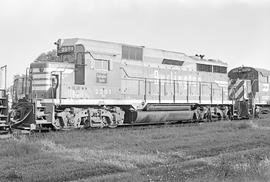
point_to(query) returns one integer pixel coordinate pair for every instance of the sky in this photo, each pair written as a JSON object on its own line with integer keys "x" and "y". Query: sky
{"x": 234, "y": 31}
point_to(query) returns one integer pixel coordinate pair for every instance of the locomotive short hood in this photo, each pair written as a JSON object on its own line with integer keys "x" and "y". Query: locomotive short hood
{"x": 247, "y": 73}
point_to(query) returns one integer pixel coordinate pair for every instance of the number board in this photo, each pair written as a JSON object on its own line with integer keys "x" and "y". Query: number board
{"x": 66, "y": 49}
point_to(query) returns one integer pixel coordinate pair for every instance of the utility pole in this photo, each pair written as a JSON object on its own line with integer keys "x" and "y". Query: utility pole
{"x": 26, "y": 80}
{"x": 5, "y": 75}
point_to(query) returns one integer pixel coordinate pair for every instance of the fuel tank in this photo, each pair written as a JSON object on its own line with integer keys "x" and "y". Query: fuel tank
{"x": 152, "y": 117}
{"x": 169, "y": 107}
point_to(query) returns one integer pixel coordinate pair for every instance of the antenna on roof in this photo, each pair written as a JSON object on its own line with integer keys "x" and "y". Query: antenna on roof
{"x": 200, "y": 55}
{"x": 57, "y": 43}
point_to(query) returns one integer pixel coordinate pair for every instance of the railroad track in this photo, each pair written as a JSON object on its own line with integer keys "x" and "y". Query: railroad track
{"x": 156, "y": 125}
{"x": 125, "y": 126}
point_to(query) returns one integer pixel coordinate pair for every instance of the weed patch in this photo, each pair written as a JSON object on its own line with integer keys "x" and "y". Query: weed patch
{"x": 251, "y": 166}
{"x": 19, "y": 148}
{"x": 237, "y": 125}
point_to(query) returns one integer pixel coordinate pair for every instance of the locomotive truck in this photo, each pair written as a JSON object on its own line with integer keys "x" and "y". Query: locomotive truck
{"x": 104, "y": 84}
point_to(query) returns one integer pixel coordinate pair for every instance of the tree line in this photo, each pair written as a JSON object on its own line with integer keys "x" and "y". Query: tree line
{"x": 47, "y": 56}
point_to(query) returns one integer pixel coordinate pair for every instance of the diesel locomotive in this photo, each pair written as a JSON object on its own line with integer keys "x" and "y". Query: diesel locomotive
{"x": 249, "y": 89}
{"x": 104, "y": 84}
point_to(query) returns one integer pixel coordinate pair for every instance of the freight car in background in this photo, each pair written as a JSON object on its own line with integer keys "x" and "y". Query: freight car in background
{"x": 99, "y": 84}
{"x": 20, "y": 88}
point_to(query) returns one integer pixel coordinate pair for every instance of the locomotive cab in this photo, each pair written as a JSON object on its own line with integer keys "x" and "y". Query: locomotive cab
{"x": 80, "y": 79}
{"x": 77, "y": 74}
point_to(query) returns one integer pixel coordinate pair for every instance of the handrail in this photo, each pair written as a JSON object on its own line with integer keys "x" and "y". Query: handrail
{"x": 143, "y": 78}
{"x": 88, "y": 52}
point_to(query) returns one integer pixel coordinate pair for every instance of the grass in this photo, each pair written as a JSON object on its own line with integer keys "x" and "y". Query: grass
{"x": 220, "y": 151}
{"x": 242, "y": 164}
{"x": 237, "y": 125}
{"x": 18, "y": 148}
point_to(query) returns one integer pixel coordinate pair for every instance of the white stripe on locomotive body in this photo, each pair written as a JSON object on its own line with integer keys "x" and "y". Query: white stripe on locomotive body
{"x": 40, "y": 80}
{"x": 231, "y": 92}
{"x": 240, "y": 89}
{"x": 37, "y": 75}
{"x": 41, "y": 88}
{"x": 48, "y": 71}
{"x": 177, "y": 74}
{"x": 232, "y": 87}
{"x": 240, "y": 92}
{"x": 236, "y": 88}
{"x": 44, "y": 82}
{"x": 137, "y": 104}
{"x": 222, "y": 83}
{"x": 41, "y": 77}
{"x": 247, "y": 89}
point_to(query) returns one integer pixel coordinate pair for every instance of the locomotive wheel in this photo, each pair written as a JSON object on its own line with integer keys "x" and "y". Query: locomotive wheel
{"x": 86, "y": 123}
{"x": 112, "y": 126}
{"x": 108, "y": 122}
{"x": 58, "y": 123}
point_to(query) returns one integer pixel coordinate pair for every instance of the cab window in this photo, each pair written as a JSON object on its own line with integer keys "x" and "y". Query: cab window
{"x": 102, "y": 64}
{"x": 80, "y": 66}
